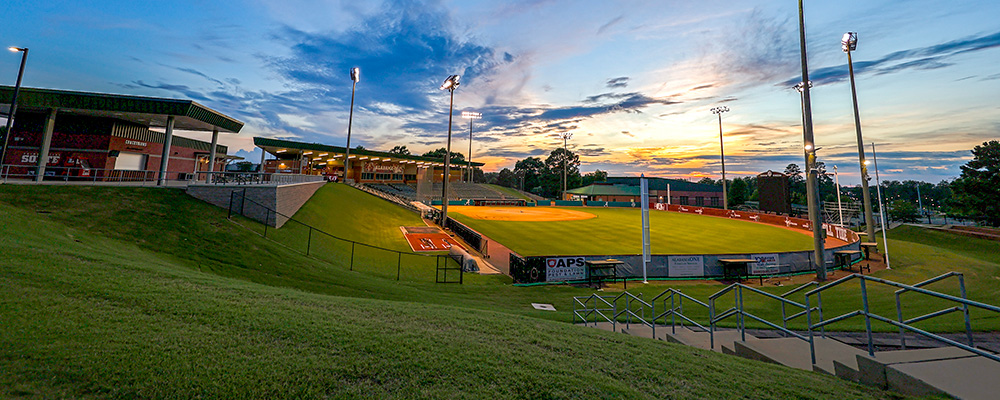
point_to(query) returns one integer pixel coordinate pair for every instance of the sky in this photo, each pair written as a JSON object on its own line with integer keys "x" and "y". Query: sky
{"x": 632, "y": 81}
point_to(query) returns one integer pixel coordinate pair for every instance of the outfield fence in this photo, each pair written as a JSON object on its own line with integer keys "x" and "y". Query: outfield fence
{"x": 342, "y": 252}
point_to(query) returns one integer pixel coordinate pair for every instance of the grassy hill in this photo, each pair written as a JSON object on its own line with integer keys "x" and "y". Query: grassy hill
{"x": 147, "y": 293}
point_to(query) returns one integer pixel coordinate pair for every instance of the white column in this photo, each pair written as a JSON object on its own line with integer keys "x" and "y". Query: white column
{"x": 211, "y": 156}
{"x": 43, "y": 151}
{"x": 165, "y": 157}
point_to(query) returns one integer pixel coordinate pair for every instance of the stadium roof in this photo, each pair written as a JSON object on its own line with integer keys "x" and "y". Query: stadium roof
{"x": 603, "y": 189}
{"x": 147, "y": 111}
{"x": 276, "y": 147}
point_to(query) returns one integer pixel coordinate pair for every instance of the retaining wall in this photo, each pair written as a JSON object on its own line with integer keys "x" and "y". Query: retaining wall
{"x": 286, "y": 199}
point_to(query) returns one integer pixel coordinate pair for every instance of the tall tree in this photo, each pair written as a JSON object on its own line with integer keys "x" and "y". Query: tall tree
{"x": 402, "y": 150}
{"x": 554, "y": 164}
{"x": 506, "y": 178}
{"x": 596, "y": 176}
{"x": 977, "y": 190}
{"x": 439, "y": 153}
{"x": 737, "y": 192}
{"x": 530, "y": 171}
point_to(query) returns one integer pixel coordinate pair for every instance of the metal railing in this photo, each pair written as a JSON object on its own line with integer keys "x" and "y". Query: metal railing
{"x": 629, "y": 313}
{"x": 964, "y": 308}
{"x": 80, "y": 174}
{"x": 238, "y": 205}
{"x": 740, "y": 313}
{"x": 785, "y": 318}
{"x": 580, "y": 305}
{"x": 903, "y": 325}
{"x": 675, "y": 310}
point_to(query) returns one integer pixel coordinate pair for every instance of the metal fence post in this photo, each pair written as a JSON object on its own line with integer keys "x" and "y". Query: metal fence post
{"x": 809, "y": 326}
{"x": 352, "y": 256}
{"x": 267, "y": 217}
{"x": 243, "y": 205}
{"x": 309, "y": 240}
{"x": 231, "y": 194}
{"x": 965, "y": 310}
{"x": 399, "y": 263}
{"x": 743, "y": 326}
{"x": 868, "y": 318}
{"x": 899, "y": 315}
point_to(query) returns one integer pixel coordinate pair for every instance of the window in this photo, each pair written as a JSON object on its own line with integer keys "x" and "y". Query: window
{"x": 130, "y": 161}
{"x": 715, "y": 201}
{"x": 684, "y": 200}
{"x": 367, "y": 176}
{"x": 699, "y": 201}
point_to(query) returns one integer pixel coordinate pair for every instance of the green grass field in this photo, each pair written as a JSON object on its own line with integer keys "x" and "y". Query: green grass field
{"x": 618, "y": 231}
{"x": 147, "y": 293}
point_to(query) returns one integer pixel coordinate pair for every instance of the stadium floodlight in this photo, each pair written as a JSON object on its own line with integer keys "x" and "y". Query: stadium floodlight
{"x": 812, "y": 181}
{"x": 470, "y": 115}
{"x": 449, "y": 84}
{"x": 12, "y": 111}
{"x": 850, "y": 43}
{"x": 722, "y": 153}
{"x": 355, "y": 77}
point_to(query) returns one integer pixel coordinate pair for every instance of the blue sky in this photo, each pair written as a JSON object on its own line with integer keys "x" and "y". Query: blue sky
{"x": 632, "y": 80}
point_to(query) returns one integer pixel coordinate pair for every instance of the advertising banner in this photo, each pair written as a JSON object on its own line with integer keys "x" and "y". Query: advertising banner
{"x": 767, "y": 264}
{"x": 565, "y": 269}
{"x": 680, "y": 266}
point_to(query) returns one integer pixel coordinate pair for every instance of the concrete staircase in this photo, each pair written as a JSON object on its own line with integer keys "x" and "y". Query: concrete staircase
{"x": 945, "y": 371}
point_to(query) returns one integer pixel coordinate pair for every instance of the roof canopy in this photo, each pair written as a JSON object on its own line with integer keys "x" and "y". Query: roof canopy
{"x": 285, "y": 148}
{"x": 148, "y": 111}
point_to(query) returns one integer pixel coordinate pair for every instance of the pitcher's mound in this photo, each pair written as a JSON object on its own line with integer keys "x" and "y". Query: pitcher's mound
{"x": 521, "y": 213}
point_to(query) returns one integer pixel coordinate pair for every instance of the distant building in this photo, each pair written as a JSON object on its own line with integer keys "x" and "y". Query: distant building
{"x": 367, "y": 166}
{"x": 99, "y": 136}
{"x": 661, "y": 190}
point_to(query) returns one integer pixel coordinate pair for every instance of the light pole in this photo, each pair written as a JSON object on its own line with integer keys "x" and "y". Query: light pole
{"x": 450, "y": 84}
{"x": 722, "y": 152}
{"x": 470, "y": 116}
{"x": 849, "y": 43}
{"x": 13, "y": 103}
{"x": 565, "y": 137}
{"x": 840, "y": 209}
{"x": 812, "y": 186}
{"x": 355, "y": 77}
{"x": 881, "y": 209}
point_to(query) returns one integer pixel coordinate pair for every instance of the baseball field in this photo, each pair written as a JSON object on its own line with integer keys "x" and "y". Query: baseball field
{"x": 532, "y": 231}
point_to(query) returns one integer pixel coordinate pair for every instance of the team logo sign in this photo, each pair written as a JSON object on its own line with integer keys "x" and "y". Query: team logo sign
{"x": 565, "y": 269}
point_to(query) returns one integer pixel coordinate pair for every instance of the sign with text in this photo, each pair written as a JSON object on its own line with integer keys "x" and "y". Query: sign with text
{"x": 678, "y": 266}
{"x": 766, "y": 264}
{"x": 565, "y": 269}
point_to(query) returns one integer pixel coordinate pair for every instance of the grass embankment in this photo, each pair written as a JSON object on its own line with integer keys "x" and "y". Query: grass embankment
{"x": 90, "y": 310}
{"x": 618, "y": 231}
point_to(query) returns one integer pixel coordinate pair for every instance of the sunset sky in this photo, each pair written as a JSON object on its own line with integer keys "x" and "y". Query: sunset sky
{"x": 632, "y": 80}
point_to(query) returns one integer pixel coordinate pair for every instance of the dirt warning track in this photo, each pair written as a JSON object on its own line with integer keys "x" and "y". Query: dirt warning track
{"x": 521, "y": 213}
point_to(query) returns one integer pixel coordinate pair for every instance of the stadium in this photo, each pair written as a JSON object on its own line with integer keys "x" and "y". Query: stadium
{"x": 376, "y": 232}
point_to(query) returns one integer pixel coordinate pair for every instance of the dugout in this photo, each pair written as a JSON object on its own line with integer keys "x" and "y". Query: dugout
{"x": 367, "y": 166}
{"x": 99, "y": 136}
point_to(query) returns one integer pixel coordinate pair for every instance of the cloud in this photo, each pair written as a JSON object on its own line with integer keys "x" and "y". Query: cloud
{"x": 610, "y": 24}
{"x": 921, "y": 58}
{"x": 615, "y": 83}
{"x": 403, "y": 52}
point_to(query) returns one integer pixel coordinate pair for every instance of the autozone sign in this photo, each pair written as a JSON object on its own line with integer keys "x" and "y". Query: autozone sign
{"x": 565, "y": 269}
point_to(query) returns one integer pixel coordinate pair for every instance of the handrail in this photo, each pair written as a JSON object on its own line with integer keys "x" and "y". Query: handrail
{"x": 785, "y": 318}
{"x": 964, "y": 308}
{"x": 593, "y": 309}
{"x": 737, "y": 289}
{"x": 629, "y": 297}
{"x": 675, "y": 310}
{"x": 902, "y": 324}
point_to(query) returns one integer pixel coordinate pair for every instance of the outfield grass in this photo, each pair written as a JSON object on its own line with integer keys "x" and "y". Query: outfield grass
{"x": 618, "y": 231}
{"x": 93, "y": 311}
